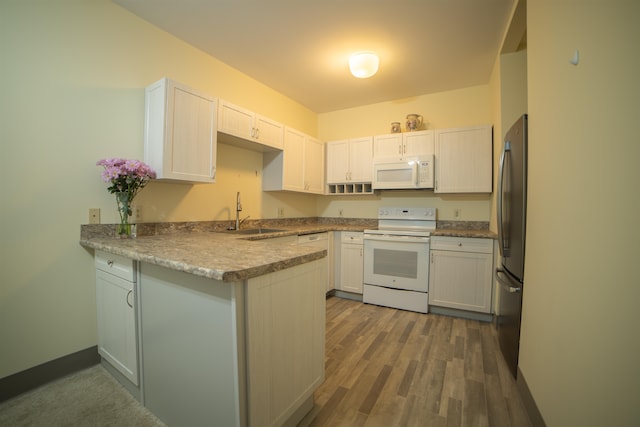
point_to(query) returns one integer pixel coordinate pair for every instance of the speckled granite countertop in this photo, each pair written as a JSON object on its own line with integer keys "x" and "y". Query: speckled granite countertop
{"x": 219, "y": 256}
{"x": 205, "y": 249}
{"x": 450, "y": 232}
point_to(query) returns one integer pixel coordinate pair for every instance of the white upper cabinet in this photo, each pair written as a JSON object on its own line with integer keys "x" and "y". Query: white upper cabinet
{"x": 294, "y": 161}
{"x": 300, "y": 167}
{"x": 246, "y": 124}
{"x": 338, "y": 161}
{"x": 349, "y": 160}
{"x": 463, "y": 160}
{"x": 180, "y": 132}
{"x": 313, "y": 165}
{"x": 398, "y": 146}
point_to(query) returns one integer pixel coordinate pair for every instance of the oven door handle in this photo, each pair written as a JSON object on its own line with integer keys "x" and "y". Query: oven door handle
{"x": 400, "y": 239}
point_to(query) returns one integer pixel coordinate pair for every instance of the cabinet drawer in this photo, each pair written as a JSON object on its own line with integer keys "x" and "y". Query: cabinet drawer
{"x": 311, "y": 238}
{"x": 115, "y": 264}
{"x": 462, "y": 244}
{"x": 351, "y": 237}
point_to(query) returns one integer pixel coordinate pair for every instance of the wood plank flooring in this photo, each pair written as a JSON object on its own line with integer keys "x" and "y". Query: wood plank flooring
{"x": 387, "y": 367}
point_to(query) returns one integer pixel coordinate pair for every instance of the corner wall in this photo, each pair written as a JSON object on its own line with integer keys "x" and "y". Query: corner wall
{"x": 579, "y": 344}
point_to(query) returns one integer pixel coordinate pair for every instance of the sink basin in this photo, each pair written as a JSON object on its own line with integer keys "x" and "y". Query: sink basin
{"x": 256, "y": 231}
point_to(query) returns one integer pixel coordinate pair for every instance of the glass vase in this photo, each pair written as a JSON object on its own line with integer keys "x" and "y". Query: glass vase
{"x": 124, "y": 230}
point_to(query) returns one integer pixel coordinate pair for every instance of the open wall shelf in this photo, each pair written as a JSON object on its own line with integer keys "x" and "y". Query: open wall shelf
{"x": 351, "y": 188}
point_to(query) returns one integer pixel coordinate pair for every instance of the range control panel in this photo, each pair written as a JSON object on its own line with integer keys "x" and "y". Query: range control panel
{"x": 416, "y": 213}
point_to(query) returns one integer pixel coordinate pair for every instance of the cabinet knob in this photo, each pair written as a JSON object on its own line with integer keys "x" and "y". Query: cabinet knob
{"x": 460, "y": 244}
{"x": 110, "y": 263}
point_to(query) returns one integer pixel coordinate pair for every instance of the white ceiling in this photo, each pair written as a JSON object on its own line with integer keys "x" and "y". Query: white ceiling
{"x": 300, "y": 48}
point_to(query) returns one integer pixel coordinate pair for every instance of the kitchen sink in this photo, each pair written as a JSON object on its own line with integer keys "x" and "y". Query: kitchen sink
{"x": 257, "y": 231}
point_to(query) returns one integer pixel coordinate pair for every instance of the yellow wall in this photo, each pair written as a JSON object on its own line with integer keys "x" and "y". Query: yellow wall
{"x": 455, "y": 108}
{"x": 579, "y": 344}
{"x": 73, "y": 78}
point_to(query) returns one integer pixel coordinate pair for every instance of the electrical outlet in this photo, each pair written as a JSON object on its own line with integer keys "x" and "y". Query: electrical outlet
{"x": 94, "y": 216}
{"x": 136, "y": 213}
{"x": 457, "y": 213}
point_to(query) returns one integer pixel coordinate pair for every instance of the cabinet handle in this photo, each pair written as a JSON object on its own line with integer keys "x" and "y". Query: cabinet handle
{"x": 460, "y": 244}
{"x": 399, "y": 149}
{"x": 110, "y": 263}
{"x": 257, "y": 133}
{"x": 129, "y": 293}
{"x": 253, "y": 132}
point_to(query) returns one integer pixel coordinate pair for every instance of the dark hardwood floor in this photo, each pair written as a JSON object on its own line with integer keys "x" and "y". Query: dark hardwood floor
{"x": 387, "y": 367}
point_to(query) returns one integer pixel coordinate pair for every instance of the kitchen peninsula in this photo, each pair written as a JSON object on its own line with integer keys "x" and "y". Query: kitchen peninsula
{"x": 228, "y": 331}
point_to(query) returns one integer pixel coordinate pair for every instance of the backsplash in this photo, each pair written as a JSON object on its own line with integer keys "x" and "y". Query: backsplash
{"x": 88, "y": 231}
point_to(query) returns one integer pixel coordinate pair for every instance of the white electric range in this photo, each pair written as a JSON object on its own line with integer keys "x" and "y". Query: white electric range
{"x": 396, "y": 258}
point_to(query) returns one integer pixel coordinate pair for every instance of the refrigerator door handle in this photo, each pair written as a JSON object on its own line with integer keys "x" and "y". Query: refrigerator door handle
{"x": 504, "y": 249}
{"x": 505, "y": 283}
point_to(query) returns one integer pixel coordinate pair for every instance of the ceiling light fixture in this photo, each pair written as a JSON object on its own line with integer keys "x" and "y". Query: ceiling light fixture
{"x": 364, "y": 64}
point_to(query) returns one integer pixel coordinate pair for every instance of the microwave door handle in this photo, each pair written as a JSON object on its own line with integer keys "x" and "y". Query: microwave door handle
{"x": 504, "y": 158}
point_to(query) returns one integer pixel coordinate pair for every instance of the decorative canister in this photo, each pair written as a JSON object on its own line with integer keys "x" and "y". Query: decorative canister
{"x": 395, "y": 127}
{"x": 414, "y": 121}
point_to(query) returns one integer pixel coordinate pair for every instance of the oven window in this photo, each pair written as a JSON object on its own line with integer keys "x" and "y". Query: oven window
{"x": 389, "y": 262}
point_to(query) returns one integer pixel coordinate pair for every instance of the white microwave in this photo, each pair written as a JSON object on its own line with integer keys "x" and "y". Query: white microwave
{"x": 415, "y": 172}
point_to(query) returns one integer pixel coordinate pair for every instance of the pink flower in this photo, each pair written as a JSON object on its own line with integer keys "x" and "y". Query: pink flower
{"x": 125, "y": 175}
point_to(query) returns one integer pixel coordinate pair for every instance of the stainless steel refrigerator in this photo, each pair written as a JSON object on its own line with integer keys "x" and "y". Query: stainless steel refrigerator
{"x": 512, "y": 210}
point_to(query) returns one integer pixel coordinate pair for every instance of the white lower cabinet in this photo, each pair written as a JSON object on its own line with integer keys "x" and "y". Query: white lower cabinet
{"x": 115, "y": 299}
{"x": 461, "y": 273}
{"x": 321, "y": 241}
{"x": 351, "y": 262}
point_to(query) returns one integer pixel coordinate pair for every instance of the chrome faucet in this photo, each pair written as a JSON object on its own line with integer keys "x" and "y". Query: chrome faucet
{"x": 238, "y": 210}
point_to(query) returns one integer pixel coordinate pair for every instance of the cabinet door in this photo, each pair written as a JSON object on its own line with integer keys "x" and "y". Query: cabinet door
{"x": 337, "y": 162}
{"x": 269, "y": 132}
{"x": 464, "y": 162}
{"x": 235, "y": 120}
{"x": 387, "y": 146}
{"x": 180, "y": 132}
{"x": 461, "y": 280}
{"x": 293, "y": 168}
{"x": 418, "y": 143}
{"x": 285, "y": 325}
{"x": 361, "y": 159}
{"x": 314, "y": 165}
{"x": 116, "y": 323}
{"x": 351, "y": 268}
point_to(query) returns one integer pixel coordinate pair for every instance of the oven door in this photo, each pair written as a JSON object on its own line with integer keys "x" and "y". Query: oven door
{"x": 399, "y": 262}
